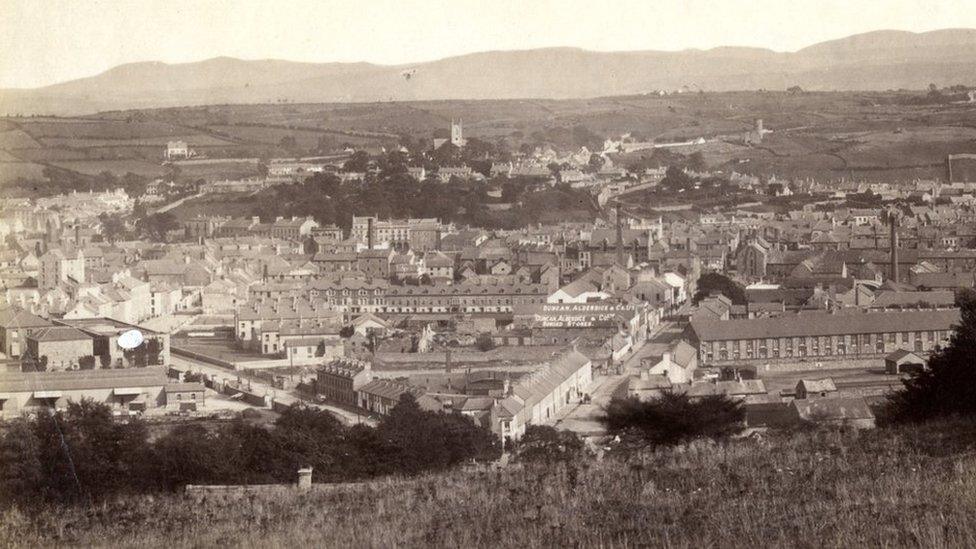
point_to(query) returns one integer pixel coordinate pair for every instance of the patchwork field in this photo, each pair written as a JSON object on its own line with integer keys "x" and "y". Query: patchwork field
{"x": 890, "y": 136}
{"x": 94, "y": 167}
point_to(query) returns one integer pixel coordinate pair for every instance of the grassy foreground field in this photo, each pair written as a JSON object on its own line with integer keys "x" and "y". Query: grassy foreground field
{"x": 910, "y": 486}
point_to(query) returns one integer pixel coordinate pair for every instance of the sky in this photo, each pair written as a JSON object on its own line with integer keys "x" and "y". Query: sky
{"x": 48, "y": 41}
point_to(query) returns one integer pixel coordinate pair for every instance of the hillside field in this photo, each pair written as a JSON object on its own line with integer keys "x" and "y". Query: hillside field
{"x": 887, "y": 136}
{"x": 907, "y": 486}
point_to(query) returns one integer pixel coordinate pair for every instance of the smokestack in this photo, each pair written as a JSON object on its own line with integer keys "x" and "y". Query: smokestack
{"x": 77, "y": 235}
{"x": 620, "y": 237}
{"x": 893, "y": 220}
{"x": 369, "y": 233}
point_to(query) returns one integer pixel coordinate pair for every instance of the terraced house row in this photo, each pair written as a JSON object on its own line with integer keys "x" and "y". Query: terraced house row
{"x": 820, "y": 335}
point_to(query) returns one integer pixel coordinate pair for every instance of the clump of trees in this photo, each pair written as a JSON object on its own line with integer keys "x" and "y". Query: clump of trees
{"x": 84, "y": 455}
{"x": 545, "y": 444}
{"x": 673, "y": 418}
{"x": 717, "y": 283}
{"x": 948, "y": 386}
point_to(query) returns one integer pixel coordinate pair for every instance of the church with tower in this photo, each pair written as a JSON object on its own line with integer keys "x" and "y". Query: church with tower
{"x": 457, "y": 136}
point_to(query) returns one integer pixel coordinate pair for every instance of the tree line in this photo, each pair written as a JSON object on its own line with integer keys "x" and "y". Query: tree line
{"x": 84, "y": 455}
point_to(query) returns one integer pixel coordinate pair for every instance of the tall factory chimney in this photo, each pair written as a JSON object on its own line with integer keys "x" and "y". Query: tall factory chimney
{"x": 369, "y": 233}
{"x": 620, "y": 238}
{"x": 893, "y": 223}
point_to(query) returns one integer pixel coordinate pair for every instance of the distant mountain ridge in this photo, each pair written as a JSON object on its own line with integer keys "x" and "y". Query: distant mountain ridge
{"x": 872, "y": 61}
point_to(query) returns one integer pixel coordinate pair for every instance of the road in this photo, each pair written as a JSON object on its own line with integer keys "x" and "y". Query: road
{"x": 584, "y": 419}
{"x": 190, "y": 365}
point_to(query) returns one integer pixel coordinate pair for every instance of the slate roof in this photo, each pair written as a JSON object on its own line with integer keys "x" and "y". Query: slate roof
{"x": 16, "y": 317}
{"x": 825, "y": 324}
{"x": 833, "y": 409}
{"x": 825, "y": 385}
{"x": 728, "y": 388}
{"x": 936, "y": 298}
{"x": 535, "y": 386}
{"x": 59, "y": 333}
{"x": 389, "y": 389}
{"x": 149, "y": 376}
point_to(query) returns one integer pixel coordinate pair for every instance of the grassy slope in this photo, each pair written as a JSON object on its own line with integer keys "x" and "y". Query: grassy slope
{"x": 883, "y": 488}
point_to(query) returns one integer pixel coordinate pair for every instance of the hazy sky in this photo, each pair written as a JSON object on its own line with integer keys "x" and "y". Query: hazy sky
{"x": 48, "y": 41}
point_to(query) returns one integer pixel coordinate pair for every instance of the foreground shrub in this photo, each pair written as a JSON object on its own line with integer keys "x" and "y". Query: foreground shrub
{"x": 79, "y": 455}
{"x": 674, "y": 418}
{"x": 545, "y": 444}
{"x": 948, "y": 386}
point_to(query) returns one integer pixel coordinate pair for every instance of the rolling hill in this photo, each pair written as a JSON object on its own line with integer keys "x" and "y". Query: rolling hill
{"x": 872, "y": 61}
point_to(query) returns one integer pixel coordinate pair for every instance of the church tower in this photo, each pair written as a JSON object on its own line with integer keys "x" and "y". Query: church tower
{"x": 457, "y": 138}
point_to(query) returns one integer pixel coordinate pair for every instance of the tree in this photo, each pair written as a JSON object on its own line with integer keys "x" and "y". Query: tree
{"x": 156, "y": 226}
{"x": 346, "y": 331}
{"x": 712, "y": 283}
{"x": 113, "y": 227}
{"x": 595, "y": 163}
{"x": 484, "y": 342}
{"x": 676, "y": 179}
{"x": 545, "y": 444}
{"x": 696, "y": 162}
{"x": 358, "y": 162}
{"x": 948, "y": 385}
{"x": 432, "y": 441}
{"x": 674, "y": 418}
{"x": 80, "y": 455}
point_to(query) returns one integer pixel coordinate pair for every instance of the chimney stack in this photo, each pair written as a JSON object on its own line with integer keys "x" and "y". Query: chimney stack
{"x": 620, "y": 237}
{"x": 369, "y": 233}
{"x": 304, "y": 479}
{"x": 893, "y": 221}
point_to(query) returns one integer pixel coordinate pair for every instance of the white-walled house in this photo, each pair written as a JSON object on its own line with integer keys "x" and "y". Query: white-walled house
{"x": 579, "y": 291}
{"x": 678, "y": 364}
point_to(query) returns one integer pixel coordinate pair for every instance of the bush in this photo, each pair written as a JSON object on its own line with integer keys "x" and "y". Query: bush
{"x": 544, "y": 444}
{"x": 484, "y": 343}
{"x": 674, "y": 418}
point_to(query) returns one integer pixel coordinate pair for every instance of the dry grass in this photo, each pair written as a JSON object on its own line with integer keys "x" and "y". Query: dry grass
{"x": 909, "y": 487}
